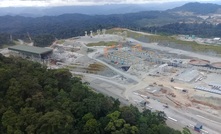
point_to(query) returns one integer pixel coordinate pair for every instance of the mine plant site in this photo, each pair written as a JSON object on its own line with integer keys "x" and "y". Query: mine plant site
{"x": 185, "y": 85}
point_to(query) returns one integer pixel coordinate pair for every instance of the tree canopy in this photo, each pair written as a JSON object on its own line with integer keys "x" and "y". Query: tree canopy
{"x": 5, "y": 40}
{"x": 43, "y": 40}
{"x": 34, "y": 99}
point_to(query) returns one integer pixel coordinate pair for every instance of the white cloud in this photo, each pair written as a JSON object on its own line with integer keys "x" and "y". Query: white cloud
{"x": 13, "y": 3}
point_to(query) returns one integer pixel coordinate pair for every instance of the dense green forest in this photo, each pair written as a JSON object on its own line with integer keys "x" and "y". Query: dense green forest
{"x": 5, "y": 40}
{"x": 43, "y": 40}
{"x": 34, "y": 99}
{"x": 202, "y": 29}
{"x": 69, "y": 25}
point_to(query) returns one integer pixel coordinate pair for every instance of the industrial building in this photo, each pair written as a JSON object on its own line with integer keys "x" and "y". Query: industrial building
{"x": 38, "y": 54}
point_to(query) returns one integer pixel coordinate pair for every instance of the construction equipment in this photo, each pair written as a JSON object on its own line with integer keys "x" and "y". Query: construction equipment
{"x": 106, "y": 50}
{"x": 165, "y": 106}
{"x": 137, "y": 47}
{"x": 172, "y": 94}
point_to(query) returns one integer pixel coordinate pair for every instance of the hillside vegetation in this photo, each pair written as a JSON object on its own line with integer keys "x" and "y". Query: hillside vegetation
{"x": 34, "y": 99}
{"x": 5, "y": 40}
{"x": 102, "y": 43}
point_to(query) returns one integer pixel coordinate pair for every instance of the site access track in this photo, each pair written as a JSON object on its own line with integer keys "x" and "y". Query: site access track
{"x": 176, "y": 51}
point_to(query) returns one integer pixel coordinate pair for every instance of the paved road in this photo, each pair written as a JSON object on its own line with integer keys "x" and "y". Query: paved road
{"x": 106, "y": 90}
{"x": 186, "y": 118}
{"x": 123, "y": 100}
{"x": 181, "y": 116}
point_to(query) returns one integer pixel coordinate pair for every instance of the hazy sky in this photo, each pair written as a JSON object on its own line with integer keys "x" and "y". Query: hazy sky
{"x": 13, "y": 3}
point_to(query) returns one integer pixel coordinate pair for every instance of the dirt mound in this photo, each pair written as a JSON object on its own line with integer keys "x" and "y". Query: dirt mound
{"x": 206, "y": 104}
{"x": 216, "y": 65}
{"x": 198, "y": 62}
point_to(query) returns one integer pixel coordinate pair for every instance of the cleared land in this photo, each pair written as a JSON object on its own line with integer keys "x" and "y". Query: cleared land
{"x": 169, "y": 41}
{"x": 141, "y": 67}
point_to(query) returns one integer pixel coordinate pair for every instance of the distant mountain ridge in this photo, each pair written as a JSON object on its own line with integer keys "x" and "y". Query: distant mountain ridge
{"x": 69, "y": 25}
{"x": 89, "y": 10}
{"x": 198, "y": 8}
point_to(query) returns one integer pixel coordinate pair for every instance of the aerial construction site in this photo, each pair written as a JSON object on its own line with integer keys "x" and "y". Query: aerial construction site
{"x": 183, "y": 84}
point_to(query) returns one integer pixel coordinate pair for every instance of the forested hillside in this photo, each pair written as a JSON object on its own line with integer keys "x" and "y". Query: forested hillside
{"x": 5, "y": 40}
{"x": 202, "y": 30}
{"x": 198, "y": 8}
{"x": 70, "y": 25}
{"x": 36, "y": 100}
